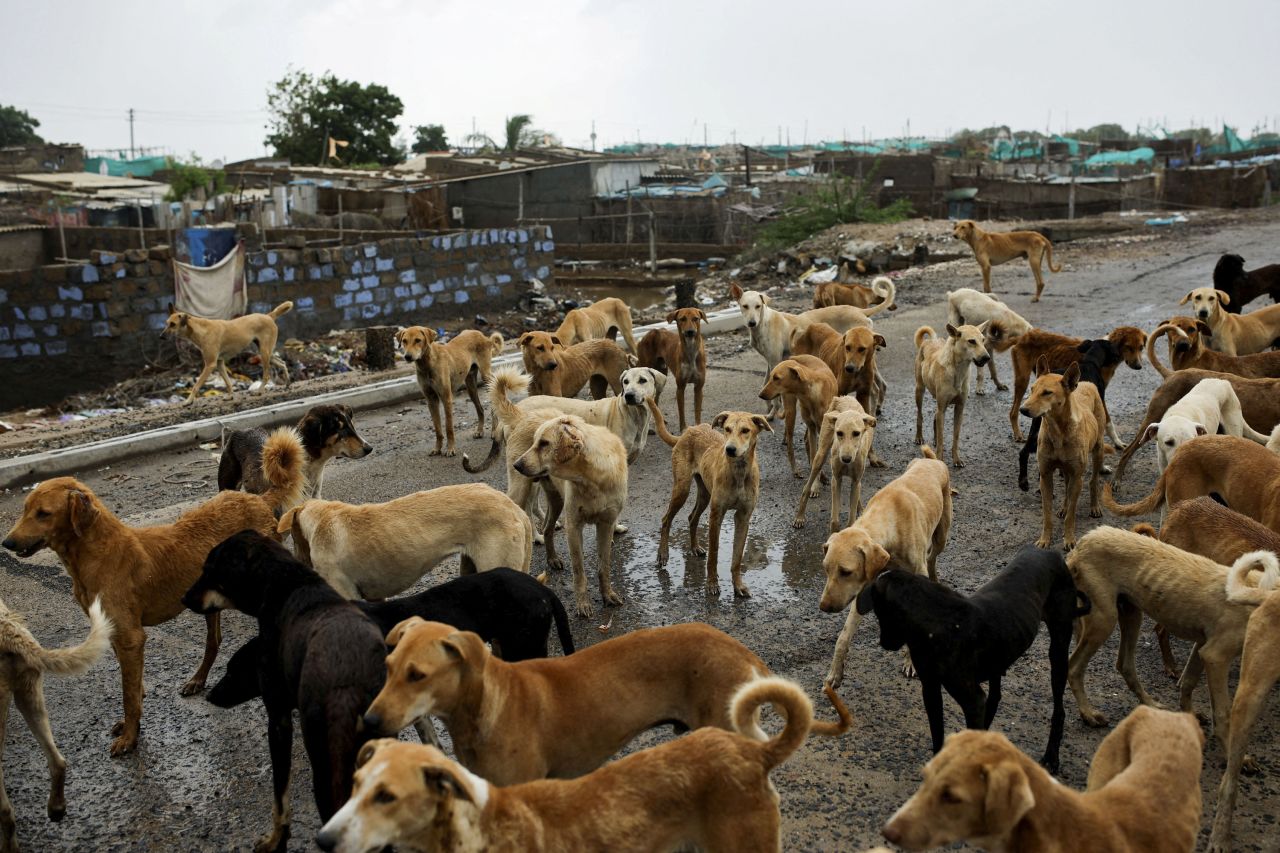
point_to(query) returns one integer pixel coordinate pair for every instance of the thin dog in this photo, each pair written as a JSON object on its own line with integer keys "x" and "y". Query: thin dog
{"x": 683, "y": 352}
{"x": 603, "y": 319}
{"x": 219, "y": 340}
{"x": 991, "y": 249}
{"x": 942, "y": 366}
{"x": 805, "y": 383}
{"x": 1234, "y": 334}
{"x": 845, "y": 438}
{"x": 328, "y": 432}
{"x": 851, "y": 357}
{"x": 1005, "y": 326}
{"x": 443, "y": 369}
{"x": 1190, "y": 347}
{"x": 562, "y": 371}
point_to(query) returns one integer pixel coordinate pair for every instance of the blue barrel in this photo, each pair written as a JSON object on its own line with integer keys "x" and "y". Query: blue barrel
{"x": 204, "y": 247}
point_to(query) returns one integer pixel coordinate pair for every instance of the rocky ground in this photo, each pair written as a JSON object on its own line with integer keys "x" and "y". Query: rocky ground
{"x": 200, "y": 778}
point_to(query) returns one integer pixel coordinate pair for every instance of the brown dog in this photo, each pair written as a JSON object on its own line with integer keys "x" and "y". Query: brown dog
{"x": 721, "y": 460}
{"x": 991, "y": 249}
{"x": 219, "y": 340}
{"x": 1189, "y": 348}
{"x": 830, "y": 293}
{"x": 846, "y": 436}
{"x": 1070, "y": 436}
{"x": 443, "y": 369}
{"x": 804, "y": 382}
{"x": 141, "y": 573}
{"x": 851, "y": 357}
{"x": 682, "y": 352}
{"x": 558, "y": 370}
{"x": 1234, "y": 334}
{"x": 603, "y": 319}
{"x": 942, "y": 366}
{"x": 1143, "y": 794}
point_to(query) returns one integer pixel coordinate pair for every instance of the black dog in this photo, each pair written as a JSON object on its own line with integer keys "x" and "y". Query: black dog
{"x": 1097, "y": 355}
{"x": 326, "y": 431}
{"x": 1242, "y": 287}
{"x": 318, "y": 654}
{"x": 959, "y": 642}
{"x": 504, "y": 606}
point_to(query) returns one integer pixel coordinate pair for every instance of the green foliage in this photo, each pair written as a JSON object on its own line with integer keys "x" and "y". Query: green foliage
{"x": 518, "y": 132}
{"x": 837, "y": 201}
{"x": 1099, "y": 132}
{"x": 304, "y": 107}
{"x": 186, "y": 178}
{"x": 17, "y": 127}
{"x": 429, "y": 137}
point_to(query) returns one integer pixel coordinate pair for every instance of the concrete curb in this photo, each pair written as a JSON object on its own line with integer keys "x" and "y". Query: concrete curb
{"x": 53, "y": 463}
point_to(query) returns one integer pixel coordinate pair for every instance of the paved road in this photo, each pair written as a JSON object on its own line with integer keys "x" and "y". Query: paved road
{"x": 200, "y": 778}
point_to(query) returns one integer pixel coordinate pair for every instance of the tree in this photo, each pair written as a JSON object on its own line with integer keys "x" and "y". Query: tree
{"x": 1099, "y": 132}
{"x": 17, "y": 127}
{"x": 429, "y": 137}
{"x": 518, "y": 132}
{"x": 304, "y": 108}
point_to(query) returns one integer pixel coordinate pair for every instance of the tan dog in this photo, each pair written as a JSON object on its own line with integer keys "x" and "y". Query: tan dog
{"x": 23, "y": 665}
{"x": 851, "y": 357}
{"x": 908, "y": 522}
{"x": 845, "y": 437}
{"x": 1070, "y": 437}
{"x": 1234, "y": 334}
{"x": 683, "y": 352}
{"x": 380, "y": 550}
{"x": 991, "y": 249}
{"x": 603, "y": 319}
{"x": 219, "y": 340}
{"x": 710, "y": 789}
{"x": 830, "y": 293}
{"x": 942, "y": 366}
{"x": 562, "y": 371}
{"x": 1143, "y": 794}
{"x": 1189, "y": 343}
{"x": 517, "y": 722}
{"x": 721, "y": 460}
{"x": 141, "y": 573}
{"x": 443, "y": 369}
{"x": 1006, "y": 326}
{"x": 804, "y": 382}
{"x": 588, "y": 465}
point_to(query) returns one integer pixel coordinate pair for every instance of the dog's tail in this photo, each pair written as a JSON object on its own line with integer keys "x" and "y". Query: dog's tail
{"x": 1239, "y": 592}
{"x": 1145, "y": 529}
{"x": 787, "y": 697}
{"x": 927, "y": 452}
{"x": 495, "y": 447}
{"x": 1151, "y": 347}
{"x": 562, "y": 623}
{"x": 1048, "y": 252}
{"x": 660, "y": 423}
{"x": 76, "y": 659}
{"x": 285, "y": 524}
{"x": 282, "y": 459}
{"x": 1273, "y": 443}
{"x": 885, "y": 289}
{"x": 283, "y": 308}
{"x": 496, "y": 343}
{"x": 1083, "y": 605}
{"x": 923, "y": 334}
{"x": 1150, "y": 503}
{"x": 506, "y": 381}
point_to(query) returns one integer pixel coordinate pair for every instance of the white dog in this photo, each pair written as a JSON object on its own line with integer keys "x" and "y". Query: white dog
{"x": 966, "y": 305}
{"x": 624, "y": 415}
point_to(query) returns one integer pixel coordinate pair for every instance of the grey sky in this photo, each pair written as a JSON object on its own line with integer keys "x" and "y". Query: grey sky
{"x": 197, "y": 72}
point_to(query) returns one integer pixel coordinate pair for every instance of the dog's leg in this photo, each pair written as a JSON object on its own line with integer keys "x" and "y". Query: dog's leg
{"x": 695, "y": 515}
{"x": 1021, "y": 378}
{"x": 1217, "y": 666}
{"x": 1094, "y": 630}
{"x": 919, "y": 408}
{"x": 713, "y": 549}
{"x": 1166, "y": 652}
{"x": 680, "y": 403}
{"x": 1071, "y": 504}
{"x": 427, "y": 732}
{"x": 446, "y": 402}
{"x": 697, "y": 401}
{"x": 1024, "y": 455}
{"x": 789, "y": 432}
{"x": 855, "y": 473}
{"x": 280, "y": 744}
{"x": 986, "y": 274}
{"x": 957, "y": 419}
{"x": 226, "y": 377}
{"x": 30, "y": 702}
{"x": 1034, "y": 260}
{"x": 992, "y": 703}
{"x": 1095, "y": 482}
{"x": 212, "y": 641}
{"x": 604, "y": 552}
{"x": 679, "y": 494}
{"x": 931, "y": 690}
{"x": 573, "y": 534}
{"x": 473, "y": 391}
{"x": 991, "y": 365}
{"x": 838, "y": 473}
{"x": 128, "y": 644}
{"x": 939, "y": 421}
{"x": 555, "y": 505}
{"x": 811, "y": 487}
{"x": 433, "y": 405}
{"x": 8, "y": 823}
{"x": 835, "y": 675}
{"x": 1130, "y": 630}
{"x": 1046, "y": 506}
{"x": 741, "y": 520}
{"x": 201, "y": 379}
{"x": 1059, "y": 648}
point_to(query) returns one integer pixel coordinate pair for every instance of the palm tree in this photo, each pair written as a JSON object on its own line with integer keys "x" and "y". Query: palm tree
{"x": 518, "y": 134}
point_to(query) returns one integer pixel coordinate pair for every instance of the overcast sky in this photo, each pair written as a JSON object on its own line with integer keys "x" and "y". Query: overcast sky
{"x": 197, "y": 72}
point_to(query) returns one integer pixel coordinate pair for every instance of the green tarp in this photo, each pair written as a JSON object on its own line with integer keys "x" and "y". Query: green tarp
{"x": 140, "y": 167}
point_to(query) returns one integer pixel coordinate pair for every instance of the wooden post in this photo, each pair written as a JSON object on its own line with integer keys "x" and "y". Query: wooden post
{"x": 630, "y": 227}
{"x": 653, "y": 244}
{"x": 341, "y": 242}
{"x": 746, "y": 154}
{"x": 142, "y": 234}
{"x": 685, "y": 293}
{"x": 1071, "y": 199}
{"x": 520, "y": 199}
{"x": 62, "y": 235}
{"x": 380, "y": 347}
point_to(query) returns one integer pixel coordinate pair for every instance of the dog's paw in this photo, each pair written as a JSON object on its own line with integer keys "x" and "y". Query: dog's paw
{"x": 919, "y": 439}
{"x": 1094, "y": 718}
{"x": 555, "y": 563}
{"x": 611, "y": 598}
{"x": 662, "y": 557}
{"x": 1249, "y": 766}
{"x": 1068, "y": 542}
{"x": 452, "y": 451}
{"x": 436, "y": 452}
{"x": 56, "y": 809}
{"x": 1043, "y": 542}
{"x": 479, "y": 433}
{"x": 698, "y": 551}
{"x": 538, "y": 539}
{"x": 1000, "y": 386}
{"x": 957, "y": 462}
{"x": 740, "y": 590}
{"x": 815, "y": 491}
{"x": 124, "y": 745}
{"x": 876, "y": 462}
{"x": 1095, "y": 512}
{"x": 274, "y": 841}
{"x": 118, "y": 728}
{"x": 1050, "y": 764}
{"x": 1024, "y": 485}
{"x": 191, "y": 688}
{"x": 713, "y": 587}
{"x": 798, "y": 522}
{"x": 980, "y": 390}
{"x": 619, "y": 529}
{"x": 908, "y": 669}
{"x": 585, "y": 610}
{"x": 834, "y": 679}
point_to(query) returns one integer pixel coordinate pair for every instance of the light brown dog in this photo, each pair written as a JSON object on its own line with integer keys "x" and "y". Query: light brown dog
{"x": 1038, "y": 348}
{"x": 942, "y": 366}
{"x": 561, "y": 371}
{"x": 1005, "y": 326}
{"x": 908, "y": 522}
{"x": 805, "y": 383}
{"x": 1189, "y": 345}
{"x": 23, "y": 665}
{"x": 845, "y": 437}
{"x": 443, "y": 369}
{"x": 709, "y": 789}
{"x": 1234, "y": 334}
{"x": 1070, "y": 437}
{"x": 991, "y": 249}
{"x": 219, "y": 340}
{"x": 141, "y": 573}
{"x": 603, "y": 319}
{"x": 517, "y": 722}
{"x": 721, "y": 460}
{"x": 683, "y": 352}
{"x": 829, "y": 293}
{"x": 851, "y": 357}
{"x": 588, "y": 465}
{"x": 1143, "y": 794}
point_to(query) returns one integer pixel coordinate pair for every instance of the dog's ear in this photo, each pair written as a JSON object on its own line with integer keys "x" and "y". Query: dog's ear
{"x": 702, "y": 315}
{"x": 430, "y": 335}
{"x": 671, "y": 316}
{"x": 367, "y": 751}
{"x": 765, "y": 299}
{"x": 1008, "y": 797}
{"x": 795, "y": 373}
{"x": 285, "y": 525}
{"x": 880, "y": 342}
{"x": 983, "y": 326}
{"x": 183, "y": 319}
{"x": 866, "y": 601}
{"x": 735, "y": 291}
{"x": 555, "y": 341}
{"x": 1042, "y": 365}
{"x": 570, "y": 443}
{"x": 524, "y": 339}
{"x": 874, "y": 559}
{"x": 81, "y": 511}
{"x": 953, "y": 331}
{"x": 1185, "y": 299}
{"x": 170, "y": 307}
{"x": 1082, "y": 347}
{"x": 396, "y": 634}
{"x": 1071, "y": 376}
{"x": 1200, "y": 430}
{"x": 868, "y": 422}
{"x": 718, "y": 421}
{"x": 443, "y": 784}
{"x": 761, "y": 423}
{"x": 455, "y": 645}
{"x": 1223, "y": 297}
{"x": 1151, "y": 432}
{"x": 1203, "y": 328}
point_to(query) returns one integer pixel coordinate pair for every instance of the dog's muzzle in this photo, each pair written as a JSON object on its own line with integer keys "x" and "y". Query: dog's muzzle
{"x": 846, "y": 460}
{"x": 23, "y": 551}
{"x": 1025, "y": 412}
{"x": 630, "y": 399}
{"x": 982, "y": 362}
{"x": 849, "y": 368}
{"x": 408, "y": 357}
{"x": 689, "y": 334}
{"x": 751, "y": 324}
{"x": 326, "y": 840}
{"x": 550, "y": 365}
{"x": 730, "y": 450}
{"x": 1203, "y": 315}
{"x": 372, "y": 723}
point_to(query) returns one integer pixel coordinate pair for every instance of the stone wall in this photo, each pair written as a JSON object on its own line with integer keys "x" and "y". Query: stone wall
{"x": 73, "y": 328}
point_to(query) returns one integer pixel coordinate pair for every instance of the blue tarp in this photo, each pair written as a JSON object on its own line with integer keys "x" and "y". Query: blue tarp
{"x": 1121, "y": 158}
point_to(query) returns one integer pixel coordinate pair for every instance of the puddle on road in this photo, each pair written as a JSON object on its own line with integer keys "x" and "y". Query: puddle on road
{"x": 638, "y": 297}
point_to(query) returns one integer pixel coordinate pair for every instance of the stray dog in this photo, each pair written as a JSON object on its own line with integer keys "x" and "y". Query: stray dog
{"x": 991, "y": 249}
{"x": 380, "y": 550}
{"x": 589, "y": 466}
{"x": 464, "y": 362}
{"x": 23, "y": 665}
{"x": 1242, "y": 287}
{"x": 829, "y": 293}
{"x": 318, "y": 654}
{"x": 804, "y": 382}
{"x": 327, "y": 432}
{"x": 1071, "y": 428}
{"x": 710, "y": 788}
{"x": 1188, "y": 349}
{"x": 721, "y": 460}
{"x": 683, "y": 352}
{"x": 561, "y": 371}
{"x": 851, "y": 357}
{"x": 219, "y": 340}
{"x": 846, "y": 436}
{"x": 942, "y": 366}
{"x": 603, "y": 319}
{"x": 1005, "y": 326}
{"x": 140, "y": 573}
{"x": 1126, "y": 575}
{"x": 957, "y": 642}
{"x": 517, "y": 722}
{"x": 908, "y": 522}
{"x": 1057, "y": 352}
{"x": 1143, "y": 794}
{"x": 1234, "y": 334}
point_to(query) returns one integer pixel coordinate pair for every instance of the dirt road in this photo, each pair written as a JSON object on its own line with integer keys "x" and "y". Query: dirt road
{"x": 200, "y": 779}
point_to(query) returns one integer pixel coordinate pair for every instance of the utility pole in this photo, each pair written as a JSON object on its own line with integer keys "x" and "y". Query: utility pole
{"x": 130, "y": 133}
{"x": 593, "y": 134}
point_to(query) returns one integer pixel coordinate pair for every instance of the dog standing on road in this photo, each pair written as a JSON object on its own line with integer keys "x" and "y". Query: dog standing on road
{"x": 463, "y": 362}
{"x": 561, "y": 371}
{"x": 219, "y": 340}
{"x": 990, "y": 249}
{"x": 966, "y": 305}
{"x": 829, "y": 293}
{"x": 603, "y": 319}
{"x": 327, "y": 432}
{"x": 683, "y": 352}
{"x": 1234, "y": 334}
{"x": 845, "y": 437}
{"x": 851, "y": 357}
{"x": 942, "y": 366}
{"x": 1190, "y": 345}
{"x": 805, "y": 383}
{"x": 1242, "y": 287}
